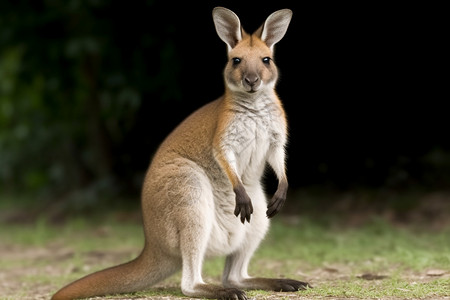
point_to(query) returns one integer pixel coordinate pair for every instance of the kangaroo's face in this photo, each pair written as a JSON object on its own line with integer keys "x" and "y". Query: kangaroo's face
{"x": 250, "y": 66}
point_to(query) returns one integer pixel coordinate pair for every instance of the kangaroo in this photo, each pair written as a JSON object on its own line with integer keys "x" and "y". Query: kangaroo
{"x": 202, "y": 194}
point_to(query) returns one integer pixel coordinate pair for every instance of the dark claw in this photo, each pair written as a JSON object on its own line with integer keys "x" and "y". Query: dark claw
{"x": 290, "y": 285}
{"x": 274, "y": 206}
{"x": 232, "y": 294}
{"x": 237, "y": 210}
{"x": 244, "y": 205}
{"x": 243, "y": 217}
{"x": 294, "y": 285}
{"x": 245, "y": 211}
{"x": 277, "y": 201}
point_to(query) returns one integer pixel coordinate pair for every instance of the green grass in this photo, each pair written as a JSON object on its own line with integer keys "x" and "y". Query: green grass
{"x": 338, "y": 257}
{"x": 330, "y": 257}
{"x": 392, "y": 287}
{"x": 369, "y": 248}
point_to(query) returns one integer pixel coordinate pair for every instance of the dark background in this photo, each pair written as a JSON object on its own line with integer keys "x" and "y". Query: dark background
{"x": 91, "y": 88}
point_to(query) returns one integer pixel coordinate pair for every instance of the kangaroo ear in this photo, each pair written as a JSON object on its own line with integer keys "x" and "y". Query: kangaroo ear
{"x": 228, "y": 26}
{"x": 275, "y": 27}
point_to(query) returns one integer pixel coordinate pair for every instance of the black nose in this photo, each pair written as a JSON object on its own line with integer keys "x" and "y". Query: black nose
{"x": 251, "y": 79}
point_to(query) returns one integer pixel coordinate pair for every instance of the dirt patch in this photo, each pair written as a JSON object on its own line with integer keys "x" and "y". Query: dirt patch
{"x": 28, "y": 272}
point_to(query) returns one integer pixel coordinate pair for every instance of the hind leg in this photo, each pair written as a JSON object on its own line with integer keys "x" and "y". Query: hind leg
{"x": 193, "y": 242}
{"x": 236, "y": 264}
{"x": 236, "y": 276}
{"x": 186, "y": 217}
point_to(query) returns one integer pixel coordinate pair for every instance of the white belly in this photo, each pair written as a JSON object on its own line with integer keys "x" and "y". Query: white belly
{"x": 228, "y": 233}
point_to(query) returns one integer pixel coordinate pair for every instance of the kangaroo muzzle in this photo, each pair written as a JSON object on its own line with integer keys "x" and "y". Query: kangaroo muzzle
{"x": 251, "y": 82}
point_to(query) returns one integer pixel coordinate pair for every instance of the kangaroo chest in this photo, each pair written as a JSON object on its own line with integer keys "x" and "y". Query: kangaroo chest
{"x": 251, "y": 133}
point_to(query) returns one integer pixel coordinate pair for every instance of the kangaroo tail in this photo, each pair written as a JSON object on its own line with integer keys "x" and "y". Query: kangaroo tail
{"x": 133, "y": 276}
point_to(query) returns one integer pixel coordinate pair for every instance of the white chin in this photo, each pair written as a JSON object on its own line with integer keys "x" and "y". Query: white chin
{"x": 252, "y": 89}
{"x": 244, "y": 88}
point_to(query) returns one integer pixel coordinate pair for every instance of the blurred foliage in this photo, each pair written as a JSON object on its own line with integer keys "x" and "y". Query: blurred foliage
{"x": 85, "y": 83}
{"x": 73, "y": 75}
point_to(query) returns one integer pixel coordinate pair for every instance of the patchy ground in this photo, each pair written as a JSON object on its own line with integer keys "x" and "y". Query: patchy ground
{"x": 32, "y": 273}
{"x": 377, "y": 262}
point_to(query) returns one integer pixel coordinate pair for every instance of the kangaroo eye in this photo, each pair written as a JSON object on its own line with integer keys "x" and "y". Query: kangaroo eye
{"x": 266, "y": 60}
{"x": 236, "y": 60}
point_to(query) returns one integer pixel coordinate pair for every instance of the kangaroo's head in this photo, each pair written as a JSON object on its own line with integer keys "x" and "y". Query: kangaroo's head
{"x": 250, "y": 67}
